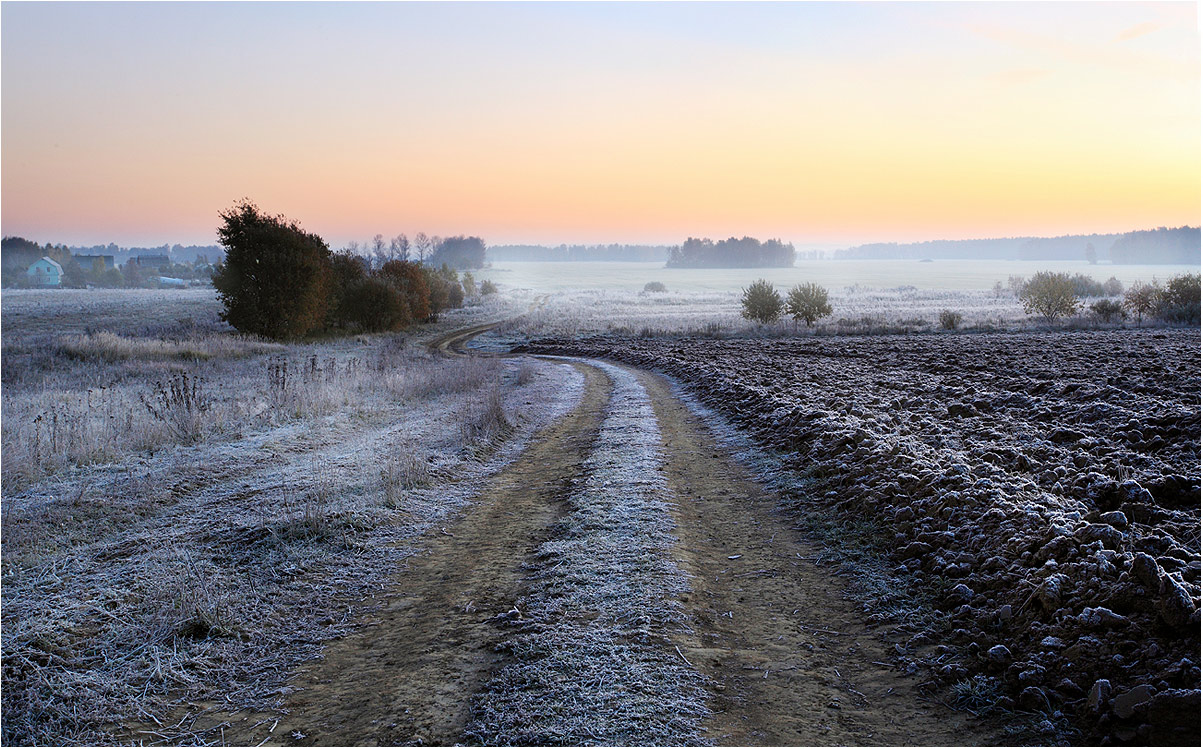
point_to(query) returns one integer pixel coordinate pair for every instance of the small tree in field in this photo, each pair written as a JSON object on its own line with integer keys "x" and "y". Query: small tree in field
{"x": 1050, "y": 295}
{"x": 761, "y": 302}
{"x": 808, "y": 301}
{"x": 275, "y": 280}
{"x": 1142, "y": 299}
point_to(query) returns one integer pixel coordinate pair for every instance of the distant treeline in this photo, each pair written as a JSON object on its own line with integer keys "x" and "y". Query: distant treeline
{"x": 630, "y": 253}
{"x": 731, "y": 253}
{"x": 1165, "y": 246}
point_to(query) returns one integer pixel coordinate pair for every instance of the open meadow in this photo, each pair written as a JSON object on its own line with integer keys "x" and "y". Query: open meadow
{"x": 188, "y": 514}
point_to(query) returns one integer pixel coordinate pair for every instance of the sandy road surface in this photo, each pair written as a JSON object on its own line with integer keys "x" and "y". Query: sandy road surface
{"x": 785, "y": 659}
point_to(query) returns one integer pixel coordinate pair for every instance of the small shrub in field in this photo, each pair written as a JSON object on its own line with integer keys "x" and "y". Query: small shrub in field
{"x": 487, "y": 287}
{"x": 469, "y": 284}
{"x": 180, "y": 403}
{"x": 1108, "y": 310}
{"x": 1050, "y": 295}
{"x": 1016, "y": 284}
{"x": 654, "y": 287}
{"x": 950, "y": 320}
{"x": 1180, "y": 299}
{"x": 808, "y": 301}
{"x": 761, "y": 302}
{"x": 1142, "y": 299}
{"x": 1086, "y": 286}
{"x": 1113, "y": 286}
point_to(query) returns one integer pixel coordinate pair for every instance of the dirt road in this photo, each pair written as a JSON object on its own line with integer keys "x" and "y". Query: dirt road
{"x": 736, "y": 611}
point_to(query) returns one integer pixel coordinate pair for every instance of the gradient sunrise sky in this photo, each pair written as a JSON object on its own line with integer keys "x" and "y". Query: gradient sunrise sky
{"x": 820, "y": 123}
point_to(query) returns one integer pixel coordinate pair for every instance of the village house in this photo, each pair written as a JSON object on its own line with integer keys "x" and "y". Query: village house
{"x": 45, "y": 272}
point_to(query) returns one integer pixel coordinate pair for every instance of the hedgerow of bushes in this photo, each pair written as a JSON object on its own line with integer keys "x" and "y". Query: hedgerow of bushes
{"x": 281, "y": 282}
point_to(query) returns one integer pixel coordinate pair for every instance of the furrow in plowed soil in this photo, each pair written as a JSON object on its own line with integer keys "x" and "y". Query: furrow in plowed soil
{"x": 791, "y": 660}
{"x": 406, "y": 676}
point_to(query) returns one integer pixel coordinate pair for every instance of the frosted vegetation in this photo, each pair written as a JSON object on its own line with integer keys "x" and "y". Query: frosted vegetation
{"x": 188, "y": 514}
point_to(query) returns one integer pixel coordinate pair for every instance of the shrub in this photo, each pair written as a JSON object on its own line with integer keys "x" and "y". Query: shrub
{"x": 469, "y": 284}
{"x": 1086, "y": 286}
{"x": 1108, "y": 310}
{"x": 487, "y": 287}
{"x": 950, "y": 320}
{"x": 275, "y": 280}
{"x": 410, "y": 280}
{"x": 373, "y": 305}
{"x": 1113, "y": 286}
{"x": 347, "y": 273}
{"x": 1016, "y": 284}
{"x": 1180, "y": 300}
{"x": 1050, "y": 295}
{"x": 654, "y": 287}
{"x": 808, "y": 301}
{"x": 761, "y": 302}
{"x": 1142, "y": 299}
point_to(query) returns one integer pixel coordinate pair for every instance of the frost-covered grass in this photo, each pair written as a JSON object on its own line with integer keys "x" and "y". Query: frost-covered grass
{"x": 716, "y": 313}
{"x": 590, "y": 661}
{"x": 153, "y": 562}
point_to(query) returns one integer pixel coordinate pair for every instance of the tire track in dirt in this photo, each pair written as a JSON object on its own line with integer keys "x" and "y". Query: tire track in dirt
{"x": 792, "y": 661}
{"x": 406, "y": 676}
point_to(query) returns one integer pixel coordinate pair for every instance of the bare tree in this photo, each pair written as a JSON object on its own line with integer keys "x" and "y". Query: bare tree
{"x": 378, "y": 249}
{"x": 353, "y": 247}
{"x": 422, "y": 245}
{"x": 398, "y": 248}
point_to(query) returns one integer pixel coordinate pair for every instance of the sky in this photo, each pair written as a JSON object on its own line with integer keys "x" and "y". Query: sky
{"x": 824, "y": 124}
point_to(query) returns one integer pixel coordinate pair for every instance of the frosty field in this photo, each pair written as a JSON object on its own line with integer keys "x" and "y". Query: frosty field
{"x": 872, "y": 531}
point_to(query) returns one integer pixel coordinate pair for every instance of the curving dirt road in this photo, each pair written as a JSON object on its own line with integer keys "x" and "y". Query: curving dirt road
{"x": 782, "y": 657}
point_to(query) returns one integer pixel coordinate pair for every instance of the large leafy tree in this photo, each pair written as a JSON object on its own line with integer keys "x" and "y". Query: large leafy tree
{"x": 276, "y": 277}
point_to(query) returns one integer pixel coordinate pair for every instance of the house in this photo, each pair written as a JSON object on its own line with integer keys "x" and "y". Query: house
{"x": 45, "y": 272}
{"x": 96, "y": 263}
{"x": 151, "y": 261}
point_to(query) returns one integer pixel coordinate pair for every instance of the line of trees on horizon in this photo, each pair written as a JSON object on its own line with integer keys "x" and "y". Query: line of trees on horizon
{"x": 747, "y": 252}
{"x": 1163, "y": 245}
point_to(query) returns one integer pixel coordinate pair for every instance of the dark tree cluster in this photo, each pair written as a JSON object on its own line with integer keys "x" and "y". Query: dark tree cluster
{"x": 463, "y": 253}
{"x": 281, "y": 282}
{"x": 731, "y": 253}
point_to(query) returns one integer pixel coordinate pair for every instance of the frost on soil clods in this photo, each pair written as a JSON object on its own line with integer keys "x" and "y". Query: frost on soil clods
{"x": 591, "y": 663}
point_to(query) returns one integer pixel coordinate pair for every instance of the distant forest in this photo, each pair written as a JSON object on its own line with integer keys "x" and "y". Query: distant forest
{"x": 731, "y": 253}
{"x": 1155, "y": 246}
{"x": 630, "y": 253}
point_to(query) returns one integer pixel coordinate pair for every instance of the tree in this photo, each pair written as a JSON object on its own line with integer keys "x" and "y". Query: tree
{"x": 410, "y": 280}
{"x": 761, "y": 302}
{"x": 1050, "y": 295}
{"x": 1180, "y": 299}
{"x": 487, "y": 287}
{"x": 460, "y": 253}
{"x": 422, "y": 246}
{"x": 808, "y": 301}
{"x": 398, "y": 248}
{"x": 1142, "y": 299}
{"x": 275, "y": 280}
{"x": 469, "y": 284}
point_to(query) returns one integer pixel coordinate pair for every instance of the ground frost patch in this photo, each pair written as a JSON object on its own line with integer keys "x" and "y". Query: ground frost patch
{"x": 591, "y": 659}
